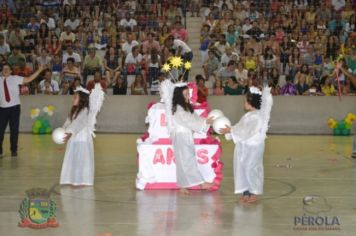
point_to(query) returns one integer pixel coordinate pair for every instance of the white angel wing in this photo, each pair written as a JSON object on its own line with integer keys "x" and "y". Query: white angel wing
{"x": 96, "y": 100}
{"x": 266, "y": 107}
{"x": 166, "y": 93}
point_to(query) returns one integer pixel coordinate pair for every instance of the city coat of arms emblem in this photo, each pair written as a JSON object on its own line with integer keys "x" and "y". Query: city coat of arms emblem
{"x": 38, "y": 210}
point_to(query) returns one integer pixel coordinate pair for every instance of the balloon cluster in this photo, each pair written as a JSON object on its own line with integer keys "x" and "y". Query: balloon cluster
{"x": 41, "y": 124}
{"x": 342, "y": 127}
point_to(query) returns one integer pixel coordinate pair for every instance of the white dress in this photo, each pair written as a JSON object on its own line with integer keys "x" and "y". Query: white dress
{"x": 184, "y": 123}
{"x": 249, "y": 138}
{"x": 78, "y": 164}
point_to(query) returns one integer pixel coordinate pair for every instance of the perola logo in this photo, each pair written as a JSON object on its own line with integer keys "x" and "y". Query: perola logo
{"x": 37, "y": 210}
{"x": 316, "y": 223}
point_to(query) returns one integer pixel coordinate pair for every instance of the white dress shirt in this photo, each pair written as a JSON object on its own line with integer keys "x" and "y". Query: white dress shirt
{"x": 13, "y": 82}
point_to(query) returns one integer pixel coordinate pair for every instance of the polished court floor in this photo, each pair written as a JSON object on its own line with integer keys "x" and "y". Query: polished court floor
{"x": 295, "y": 167}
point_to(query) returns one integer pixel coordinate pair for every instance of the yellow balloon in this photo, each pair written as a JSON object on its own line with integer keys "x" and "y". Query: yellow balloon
{"x": 349, "y": 116}
{"x": 51, "y": 108}
{"x": 349, "y": 120}
{"x": 331, "y": 120}
{"x": 332, "y": 123}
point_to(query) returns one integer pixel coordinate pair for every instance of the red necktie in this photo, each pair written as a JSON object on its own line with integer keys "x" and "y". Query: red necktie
{"x": 7, "y": 94}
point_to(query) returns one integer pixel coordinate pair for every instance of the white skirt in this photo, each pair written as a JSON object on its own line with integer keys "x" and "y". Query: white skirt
{"x": 188, "y": 174}
{"x": 78, "y": 163}
{"x": 248, "y": 168}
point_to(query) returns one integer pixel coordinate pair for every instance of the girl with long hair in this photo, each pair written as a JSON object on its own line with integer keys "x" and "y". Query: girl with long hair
{"x": 139, "y": 86}
{"x": 184, "y": 123}
{"x": 78, "y": 164}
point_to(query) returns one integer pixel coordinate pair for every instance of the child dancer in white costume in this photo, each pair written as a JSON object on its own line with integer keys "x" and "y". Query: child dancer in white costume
{"x": 249, "y": 137}
{"x": 78, "y": 164}
{"x": 184, "y": 122}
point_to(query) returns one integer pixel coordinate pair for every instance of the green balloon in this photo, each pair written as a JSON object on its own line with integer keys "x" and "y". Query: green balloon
{"x": 38, "y": 124}
{"x": 337, "y": 131}
{"x": 341, "y": 125}
{"x": 348, "y": 126}
{"x": 346, "y": 132}
{"x": 48, "y": 130}
{"x": 42, "y": 130}
{"x": 45, "y": 123}
{"x": 35, "y": 130}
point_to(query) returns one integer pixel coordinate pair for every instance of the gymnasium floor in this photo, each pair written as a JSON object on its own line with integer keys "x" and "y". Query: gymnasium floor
{"x": 295, "y": 167}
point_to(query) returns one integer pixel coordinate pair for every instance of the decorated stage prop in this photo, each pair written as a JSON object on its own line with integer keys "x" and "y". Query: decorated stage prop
{"x": 342, "y": 127}
{"x": 42, "y": 124}
{"x": 156, "y": 162}
{"x": 38, "y": 210}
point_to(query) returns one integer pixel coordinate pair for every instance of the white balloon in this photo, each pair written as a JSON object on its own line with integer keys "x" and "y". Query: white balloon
{"x": 220, "y": 123}
{"x": 58, "y": 135}
{"x": 216, "y": 114}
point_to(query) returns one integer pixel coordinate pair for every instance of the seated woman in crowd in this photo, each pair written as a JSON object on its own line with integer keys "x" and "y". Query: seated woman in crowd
{"x": 327, "y": 87}
{"x": 54, "y": 47}
{"x": 250, "y": 60}
{"x": 232, "y": 87}
{"x": 294, "y": 62}
{"x": 241, "y": 73}
{"x": 304, "y": 70}
{"x": 70, "y": 72}
{"x": 119, "y": 86}
{"x": 268, "y": 60}
{"x": 302, "y": 86}
{"x": 139, "y": 86}
{"x": 218, "y": 88}
{"x": 203, "y": 91}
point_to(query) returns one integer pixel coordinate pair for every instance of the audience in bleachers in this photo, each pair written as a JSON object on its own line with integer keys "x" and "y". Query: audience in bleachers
{"x": 288, "y": 45}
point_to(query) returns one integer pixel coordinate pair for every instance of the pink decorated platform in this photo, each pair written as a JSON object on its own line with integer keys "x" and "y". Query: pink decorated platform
{"x": 156, "y": 163}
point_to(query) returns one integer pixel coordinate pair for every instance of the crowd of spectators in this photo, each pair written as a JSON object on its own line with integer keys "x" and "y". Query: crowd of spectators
{"x": 289, "y": 45}
{"x": 119, "y": 44}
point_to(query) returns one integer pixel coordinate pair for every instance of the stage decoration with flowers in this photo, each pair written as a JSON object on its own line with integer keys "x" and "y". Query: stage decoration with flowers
{"x": 175, "y": 66}
{"x": 342, "y": 127}
{"x": 41, "y": 117}
{"x": 156, "y": 161}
